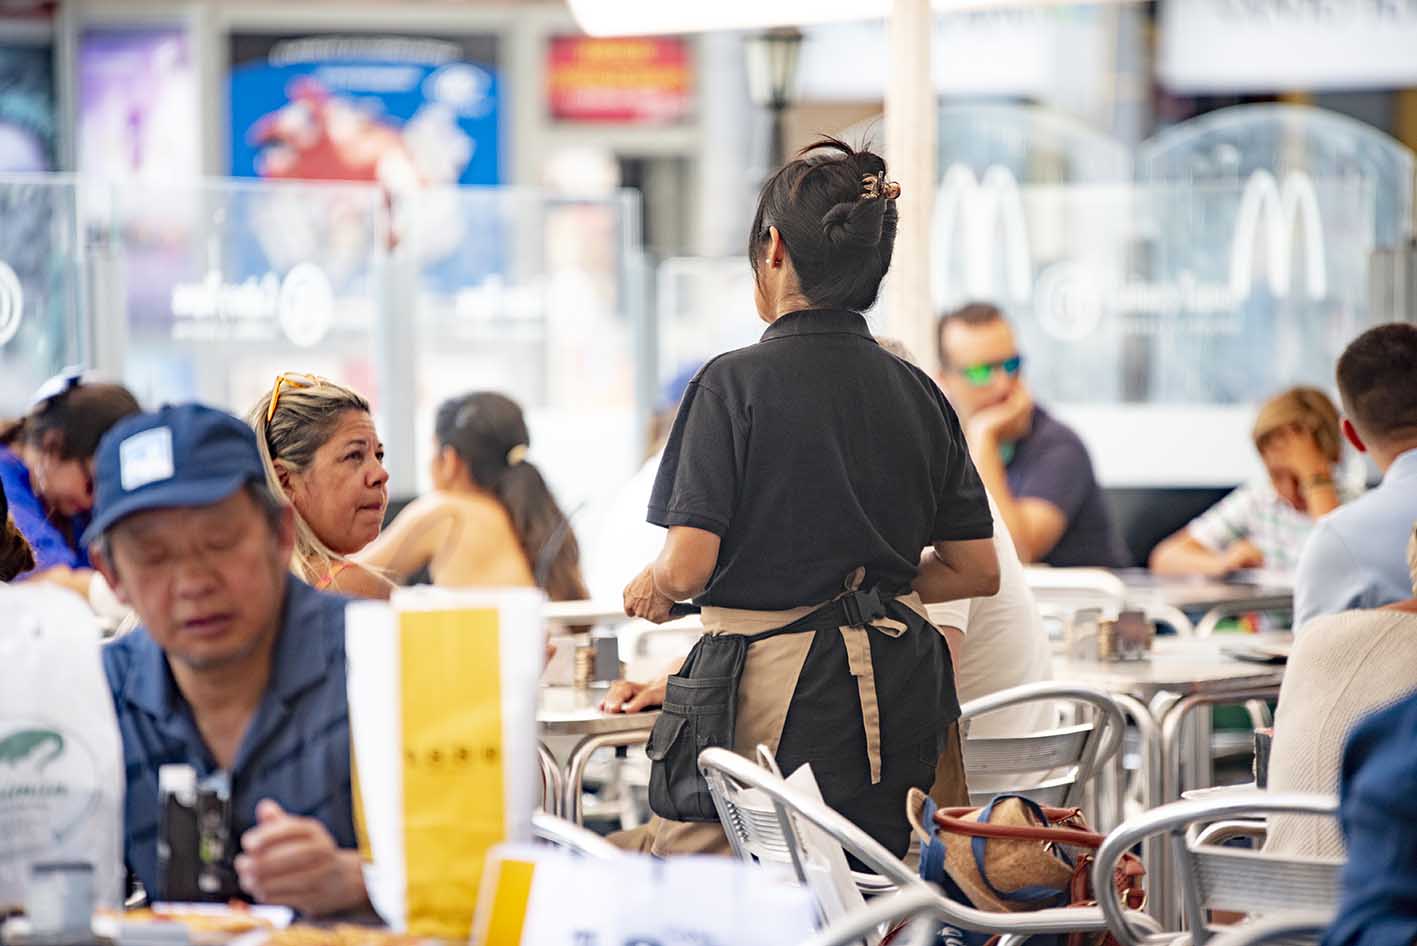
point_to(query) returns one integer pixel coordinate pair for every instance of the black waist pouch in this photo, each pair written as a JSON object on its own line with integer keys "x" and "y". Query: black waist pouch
{"x": 700, "y": 710}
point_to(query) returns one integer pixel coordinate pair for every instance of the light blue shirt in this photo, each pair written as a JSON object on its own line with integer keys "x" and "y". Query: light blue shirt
{"x": 1356, "y": 557}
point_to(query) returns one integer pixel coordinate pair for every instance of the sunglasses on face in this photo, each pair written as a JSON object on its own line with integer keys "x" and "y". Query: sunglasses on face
{"x": 981, "y": 373}
{"x": 292, "y": 380}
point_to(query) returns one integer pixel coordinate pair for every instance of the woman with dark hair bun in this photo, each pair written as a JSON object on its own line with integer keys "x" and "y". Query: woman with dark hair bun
{"x": 491, "y": 520}
{"x": 802, "y": 479}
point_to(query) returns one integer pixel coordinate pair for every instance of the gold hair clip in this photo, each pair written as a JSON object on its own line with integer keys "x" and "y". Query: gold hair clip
{"x": 517, "y": 454}
{"x": 873, "y": 186}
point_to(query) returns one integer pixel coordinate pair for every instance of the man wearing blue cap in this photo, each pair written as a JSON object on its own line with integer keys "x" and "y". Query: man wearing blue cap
{"x": 238, "y": 669}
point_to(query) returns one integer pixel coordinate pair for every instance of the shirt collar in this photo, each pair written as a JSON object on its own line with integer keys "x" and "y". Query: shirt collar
{"x": 1403, "y": 468}
{"x": 818, "y": 322}
{"x": 299, "y": 661}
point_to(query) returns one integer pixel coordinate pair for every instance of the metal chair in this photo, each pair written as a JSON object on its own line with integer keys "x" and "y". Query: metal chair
{"x": 1222, "y": 878}
{"x": 1081, "y": 752}
{"x": 552, "y": 784}
{"x": 563, "y": 834}
{"x": 1282, "y": 929}
{"x": 722, "y": 767}
{"x": 918, "y": 903}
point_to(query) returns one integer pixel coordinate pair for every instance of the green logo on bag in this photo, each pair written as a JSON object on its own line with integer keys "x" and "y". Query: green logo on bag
{"x": 48, "y": 786}
{"x": 37, "y": 746}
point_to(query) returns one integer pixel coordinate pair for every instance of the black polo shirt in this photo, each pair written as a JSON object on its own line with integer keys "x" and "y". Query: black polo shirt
{"x": 811, "y": 453}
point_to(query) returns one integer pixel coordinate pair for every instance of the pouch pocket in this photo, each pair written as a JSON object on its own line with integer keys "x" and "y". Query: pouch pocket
{"x": 698, "y": 713}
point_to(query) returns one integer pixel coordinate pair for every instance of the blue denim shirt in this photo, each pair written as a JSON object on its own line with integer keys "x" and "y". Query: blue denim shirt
{"x": 1379, "y": 813}
{"x": 295, "y": 751}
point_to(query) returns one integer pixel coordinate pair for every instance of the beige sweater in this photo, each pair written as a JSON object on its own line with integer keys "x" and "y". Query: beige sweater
{"x": 1343, "y": 667}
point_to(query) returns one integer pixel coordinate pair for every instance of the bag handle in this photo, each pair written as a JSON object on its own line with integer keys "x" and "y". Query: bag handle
{"x": 950, "y": 820}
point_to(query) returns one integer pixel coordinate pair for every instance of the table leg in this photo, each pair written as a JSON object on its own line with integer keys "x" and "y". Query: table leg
{"x": 1149, "y": 773}
{"x": 580, "y": 758}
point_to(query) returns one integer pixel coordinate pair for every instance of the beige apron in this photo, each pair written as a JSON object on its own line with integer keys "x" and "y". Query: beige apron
{"x": 770, "y": 671}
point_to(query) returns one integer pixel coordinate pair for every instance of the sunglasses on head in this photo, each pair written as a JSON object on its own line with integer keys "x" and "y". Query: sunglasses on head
{"x": 980, "y": 374}
{"x": 292, "y": 380}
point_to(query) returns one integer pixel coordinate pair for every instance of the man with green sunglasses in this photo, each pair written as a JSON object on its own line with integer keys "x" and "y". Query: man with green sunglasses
{"x": 1036, "y": 468}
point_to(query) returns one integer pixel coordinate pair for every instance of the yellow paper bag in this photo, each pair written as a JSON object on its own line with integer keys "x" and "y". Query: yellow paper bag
{"x": 442, "y": 692}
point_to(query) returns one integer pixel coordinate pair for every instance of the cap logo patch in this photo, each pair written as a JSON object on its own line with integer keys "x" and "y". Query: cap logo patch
{"x": 145, "y": 458}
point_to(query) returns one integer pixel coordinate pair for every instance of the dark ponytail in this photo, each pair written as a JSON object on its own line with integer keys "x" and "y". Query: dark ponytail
{"x": 489, "y": 434}
{"x": 16, "y": 556}
{"x": 837, "y": 216}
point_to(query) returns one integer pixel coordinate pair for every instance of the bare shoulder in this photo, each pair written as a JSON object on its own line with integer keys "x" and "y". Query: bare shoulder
{"x": 356, "y": 581}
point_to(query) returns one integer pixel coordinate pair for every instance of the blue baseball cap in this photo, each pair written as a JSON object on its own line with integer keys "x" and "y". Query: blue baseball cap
{"x": 181, "y": 455}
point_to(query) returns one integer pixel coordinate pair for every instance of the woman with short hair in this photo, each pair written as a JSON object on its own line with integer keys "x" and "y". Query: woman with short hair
{"x": 1263, "y": 524}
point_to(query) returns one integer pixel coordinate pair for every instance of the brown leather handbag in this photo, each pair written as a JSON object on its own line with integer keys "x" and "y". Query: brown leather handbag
{"x": 1014, "y": 855}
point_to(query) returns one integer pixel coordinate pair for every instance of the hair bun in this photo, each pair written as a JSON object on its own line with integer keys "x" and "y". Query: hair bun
{"x": 858, "y": 223}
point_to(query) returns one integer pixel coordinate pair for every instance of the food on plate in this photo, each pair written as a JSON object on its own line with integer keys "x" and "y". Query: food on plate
{"x": 232, "y": 920}
{"x": 341, "y": 934}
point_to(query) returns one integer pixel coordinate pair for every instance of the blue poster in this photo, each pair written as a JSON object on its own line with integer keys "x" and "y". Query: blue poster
{"x": 401, "y": 111}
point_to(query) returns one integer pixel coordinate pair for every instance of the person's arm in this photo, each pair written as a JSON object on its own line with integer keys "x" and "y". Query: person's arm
{"x": 681, "y": 571}
{"x": 76, "y": 580}
{"x": 952, "y": 570}
{"x": 356, "y": 581}
{"x": 1182, "y": 554}
{"x": 412, "y": 539}
{"x": 1036, "y": 525}
{"x": 293, "y": 861}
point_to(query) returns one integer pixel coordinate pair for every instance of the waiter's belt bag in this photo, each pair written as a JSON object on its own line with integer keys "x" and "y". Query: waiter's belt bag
{"x": 701, "y": 706}
{"x": 700, "y": 710}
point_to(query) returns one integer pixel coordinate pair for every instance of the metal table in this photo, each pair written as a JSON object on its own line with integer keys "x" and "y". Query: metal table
{"x": 1217, "y": 599}
{"x": 1160, "y": 694}
{"x": 572, "y": 711}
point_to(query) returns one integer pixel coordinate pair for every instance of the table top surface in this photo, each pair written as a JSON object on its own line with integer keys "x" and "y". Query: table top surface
{"x": 575, "y": 711}
{"x": 1176, "y": 665}
{"x": 1263, "y": 589}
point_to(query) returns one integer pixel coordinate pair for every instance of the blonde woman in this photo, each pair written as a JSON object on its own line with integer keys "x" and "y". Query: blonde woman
{"x": 1264, "y": 523}
{"x": 322, "y": 453}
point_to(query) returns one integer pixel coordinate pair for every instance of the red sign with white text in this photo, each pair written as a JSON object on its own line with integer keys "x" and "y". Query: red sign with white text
{"x": 631, "y": 80}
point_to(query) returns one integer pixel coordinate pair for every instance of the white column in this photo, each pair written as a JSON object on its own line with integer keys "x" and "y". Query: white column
{"x": 911, "y": 142}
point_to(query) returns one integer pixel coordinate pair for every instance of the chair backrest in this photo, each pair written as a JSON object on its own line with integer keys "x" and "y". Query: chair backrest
{"x": 563, "y": 834}
{"x": 762, "y": 830}
{"x": 1077, "y": 588}
{"x": 1053, "y": 767}
{"x": 1276, "y": 929}
{"x": 723, "y": 764}
{"x": 1212, "y": 877}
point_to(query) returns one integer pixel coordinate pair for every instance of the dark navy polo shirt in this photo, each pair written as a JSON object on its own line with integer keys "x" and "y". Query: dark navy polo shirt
{"x": 295, "y": 751}
{"x": 1052, "y": 464}
{"x": 810, "y": 454}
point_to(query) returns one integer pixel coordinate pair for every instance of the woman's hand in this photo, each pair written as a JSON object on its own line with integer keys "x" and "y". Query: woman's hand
{"x": 644, "y": 600}
{"x": 627, "y": 697}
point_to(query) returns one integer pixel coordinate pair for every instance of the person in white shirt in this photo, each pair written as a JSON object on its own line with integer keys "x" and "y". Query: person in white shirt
{"x": 1005, "y": 645}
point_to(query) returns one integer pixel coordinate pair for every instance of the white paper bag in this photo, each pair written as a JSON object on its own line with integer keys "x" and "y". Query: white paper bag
{"x": 61, "y": 756}
{"x": 443, "y": 691}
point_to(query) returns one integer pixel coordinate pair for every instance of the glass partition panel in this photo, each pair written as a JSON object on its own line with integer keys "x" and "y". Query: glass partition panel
{"x": 41, "y": 284}
{"x": 703, "y": 308}
{"x": 225, "y": 284}
{"x": 536, "y": 298}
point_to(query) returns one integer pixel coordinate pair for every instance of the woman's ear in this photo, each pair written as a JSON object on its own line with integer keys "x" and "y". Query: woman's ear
{"x": 282, "y": 476}
{"x": 776, "y": 251}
